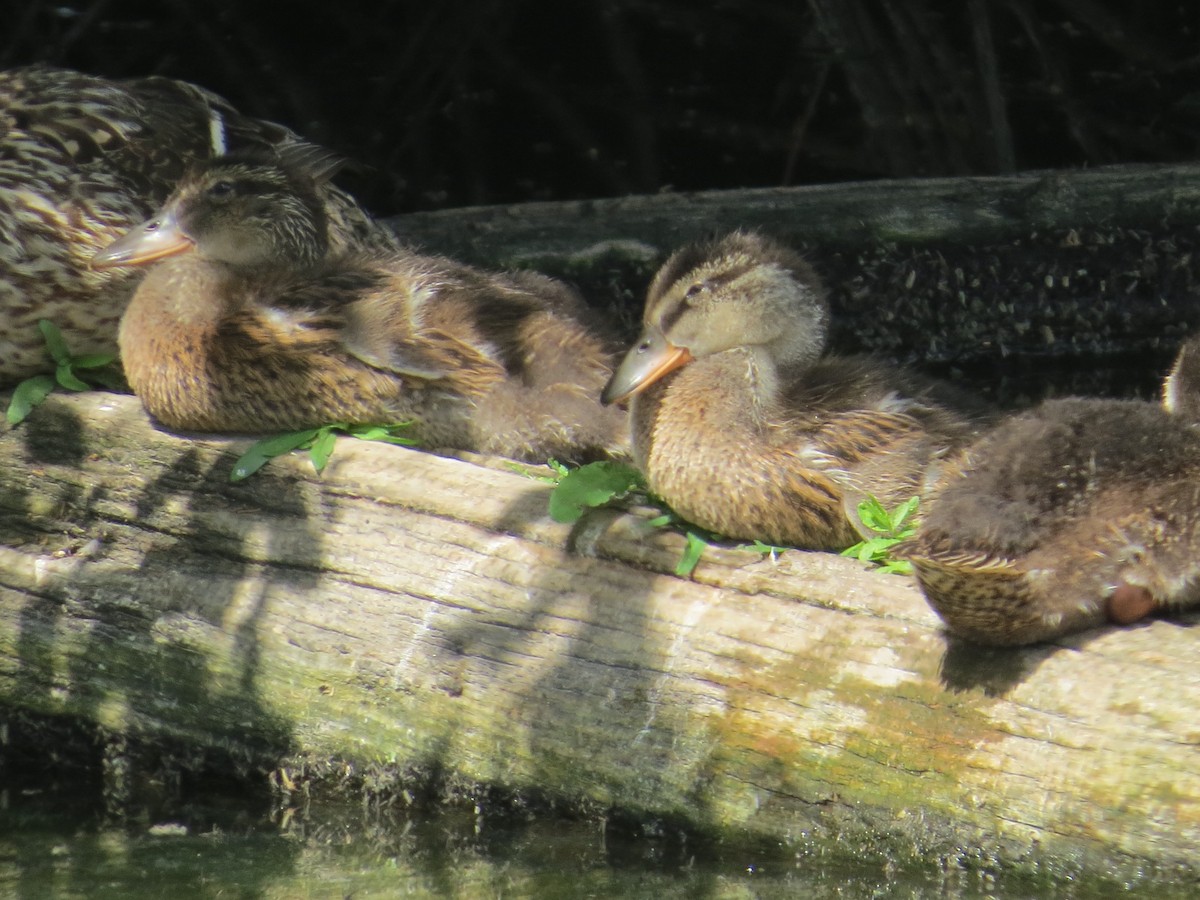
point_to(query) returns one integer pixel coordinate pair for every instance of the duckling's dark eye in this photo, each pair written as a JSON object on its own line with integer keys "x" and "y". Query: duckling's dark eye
{"x": 693, "y": 290}
{"x": 221, "y": 189}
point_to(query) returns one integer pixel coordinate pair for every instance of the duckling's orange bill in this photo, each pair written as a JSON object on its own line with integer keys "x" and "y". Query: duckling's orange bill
{"x": 652, "y": 357}
{"x": 154, "y": 239}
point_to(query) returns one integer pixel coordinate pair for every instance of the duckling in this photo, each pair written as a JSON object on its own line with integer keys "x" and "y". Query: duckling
{"x": 744, "y": 428}
{"x": 1076, "y": 513}
{"x": 82, "y": 159}
{"x": 251, "y": 322}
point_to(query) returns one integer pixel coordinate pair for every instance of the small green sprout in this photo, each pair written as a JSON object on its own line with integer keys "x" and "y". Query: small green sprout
{"x": 891, "y": 528}
{"x": 317, "y": 441}
{"x": 691, "y": 554}
{"x": 697, "y": 539}
{"x": 32, "y": 391}
{"x": 596, "y": 484}
{"x": 771, "y": 550}
{"x": 559, "y": 471}
{"x": 602, "y": 483}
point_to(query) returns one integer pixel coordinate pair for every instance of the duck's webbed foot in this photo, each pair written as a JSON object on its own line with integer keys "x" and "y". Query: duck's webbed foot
{"x": 1129, "y": 603}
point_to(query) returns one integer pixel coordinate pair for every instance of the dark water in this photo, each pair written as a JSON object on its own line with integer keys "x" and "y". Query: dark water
{"x": 50, "y": 847}
{"x": 47, "y": 855}
{"x": 79, "y": 821}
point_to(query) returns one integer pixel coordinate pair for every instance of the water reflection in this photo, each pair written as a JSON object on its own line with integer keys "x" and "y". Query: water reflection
{"x": 43, "y": 854}
{"x": 50, "y": 847}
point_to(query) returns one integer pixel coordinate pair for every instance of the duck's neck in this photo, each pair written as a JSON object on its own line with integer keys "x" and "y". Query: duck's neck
{"x": 761, "y": 378}
{"x": 168, "y": 328}
{"x": 187, "y": 293}
{"x": 740, "y": 387}
{"x": 751, "y": 377}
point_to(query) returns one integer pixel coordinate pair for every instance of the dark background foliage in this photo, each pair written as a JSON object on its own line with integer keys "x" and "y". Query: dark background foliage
{"x": 490, "y": 101}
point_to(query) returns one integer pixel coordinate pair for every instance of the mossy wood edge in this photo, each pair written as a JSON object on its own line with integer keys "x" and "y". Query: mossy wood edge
{"x": 423, "y": 613}
{"x": 909, "y": 210}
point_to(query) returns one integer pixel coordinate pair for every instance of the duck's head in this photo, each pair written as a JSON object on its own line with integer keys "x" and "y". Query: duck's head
{"x": 744, "y": 290}
{"x": 243, "y": 211}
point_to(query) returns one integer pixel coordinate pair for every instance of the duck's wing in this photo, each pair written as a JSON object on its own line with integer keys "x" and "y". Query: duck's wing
{"x": 361, "y": 310}
{"x": 956, "y": 561}
{"x": 436, "y": 356}
{"x": 850, "y": 438}
{"x": 282, "y": 331}
{"x": 868, "y": 454}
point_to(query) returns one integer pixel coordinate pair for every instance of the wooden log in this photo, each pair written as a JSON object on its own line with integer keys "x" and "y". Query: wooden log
{"x": 412, "y": 612}
{"x": 906, "y": 211}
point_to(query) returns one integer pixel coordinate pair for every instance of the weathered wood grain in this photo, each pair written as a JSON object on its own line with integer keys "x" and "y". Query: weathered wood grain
{"x": 855, "y": 214}
{"x": 419, "y": 612}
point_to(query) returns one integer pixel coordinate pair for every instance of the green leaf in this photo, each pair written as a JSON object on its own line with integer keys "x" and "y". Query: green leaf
{"x": 891, "y": 528}
{"x": 388, "y": 434}
{"x": 279, "y": 444}
{"x": 590, "y": 486}
{"x": 28, "y": 394}
{"x": 66, "y": 364}
{"x": 901, "y": 520}
{"x": 69, "y": 380}
{"x": 320, "y": 442}
{"x": 691, "y": 555}
{"x": 262, "y": 451}
{"x": 322, "y": 447}
{"x": 530, "y": 473}
{"x": 878, "y": 546}
{"x": 92, "y": 360}
{"x": 874, "y": 516}
{"x": 55, "y": 342}
{"x": 662, "y": 521}
{"x": 872, "y": 550}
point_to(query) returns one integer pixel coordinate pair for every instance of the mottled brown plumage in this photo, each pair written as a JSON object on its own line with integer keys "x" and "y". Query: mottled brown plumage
{"x": 81, "y": 160}
{"x": 1073, "y": 514}
{"x": 740, "y": 424}
{"x": 252, "y": 323}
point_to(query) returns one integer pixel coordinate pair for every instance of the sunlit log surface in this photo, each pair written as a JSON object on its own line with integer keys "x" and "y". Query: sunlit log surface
{"x": 1063, "y": 265}
{"x": 422, "y": 613}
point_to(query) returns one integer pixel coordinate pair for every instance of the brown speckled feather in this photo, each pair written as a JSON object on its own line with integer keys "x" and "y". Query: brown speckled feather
{"x": 258, "y": 325}
{"x": 753, "y": 434}
{"x": 81, "y": 160}
{"x": 1058, "y": 510}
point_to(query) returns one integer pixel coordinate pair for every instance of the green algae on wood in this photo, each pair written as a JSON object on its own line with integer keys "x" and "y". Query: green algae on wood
{"x": 424, "y": 613}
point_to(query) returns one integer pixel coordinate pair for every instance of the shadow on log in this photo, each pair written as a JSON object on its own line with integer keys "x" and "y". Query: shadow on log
{"x": 423, "y": 613}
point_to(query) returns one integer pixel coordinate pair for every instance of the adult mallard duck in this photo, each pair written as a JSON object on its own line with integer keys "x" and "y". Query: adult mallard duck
{"x": 1068, "y": 516}
{"x": 253, "y": 322}
{"x": 741, "y": 424}
{"x": 82, "y": 159}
